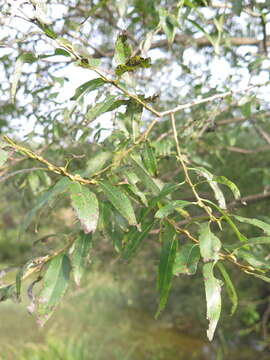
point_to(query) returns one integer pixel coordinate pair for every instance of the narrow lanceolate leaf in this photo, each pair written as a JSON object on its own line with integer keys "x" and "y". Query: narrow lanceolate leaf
{"x": 100, "y": 108}
{"x": 260, "y": 240}
{"x": 45, "y": 199}
{"x": 3, "y": 157}
{"x": 143, "y": 174}
{"x": 166, "y": 190}
{"x": 262, "y": 277}
{"x": 213, "y": 184}
{"x": 213, "y": 298}
{"x": 87, "y": 87}
{"x": 187, "y": 259}
{"x": 85, "y": 204}
{"x": 259, "y": 223}
{"x": 79, "y": 257}
{"x": 230, "y": 184}
{"x": 7, "y": 292}
{"x": 120, "y": 201}
{"x": 171, "y": 207}
{"x": 149, "y": 159}
{"x": 123, "y": 50}
{"x": 166, "y": 264}
{"x": 257, "y": 261}
{"x": 230, "y": 289}
{"x": 55, "y": 284}
{"x": 209, "y": 243}
{"x": 168, "y": 23}
{"x": 23, "y": 58}
{"x": 134, "y": 240}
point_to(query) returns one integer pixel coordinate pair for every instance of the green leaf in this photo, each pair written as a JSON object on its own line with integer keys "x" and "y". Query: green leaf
{"x": 171, "y": 207}
{"x": 59, "y": 51}
{"x": 166, "y": 190}
{"x": 134, "y": 239}
{"x": 166, "y": 264}
{"x": 123, "y": 50}
{"x": 87, "y": 87}
{"x": 45, "y": 199}
{"x": 169, "y": 23}
{"x": 134, "y": 63}
{"x": 259, "y": 223}
{"x": 213, "y": 184}
{"x": 213, "y": 298}
{"x": 79, "y": 255}
{"x": 132, "y": 118}
{"x": 85, "y": 204}
{"x": 260, "y": 240}
{"x": 255, "y": 261}
{"x": 237, "y": 7}
{"x": 229, "y": 287}
{"x": 230, "y": 184}
{"x": 55, "y": 284}
{"x": 149, "y": 159}
{"x": 7, "y": 292}
{"x": 209, "y": 243}
{"x": 20, "y": 274}
{"x": 120, "y": 201}
{"x": 3, "y": 157}
{"x": 100, "y": 108}
{"x": 262, "y": 277}
{"x": 23, "y": 58}
{"x": 187, "y": 259}
{"x": 143, "y": 174}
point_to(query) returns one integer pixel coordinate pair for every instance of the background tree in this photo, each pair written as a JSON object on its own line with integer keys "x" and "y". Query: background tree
{"x": 185, "y": 88}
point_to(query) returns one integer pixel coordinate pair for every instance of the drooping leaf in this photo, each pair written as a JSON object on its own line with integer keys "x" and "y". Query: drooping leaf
{"x": 187, "y": 259}
{"x": 232, "y": 294}
{"x": 171, "y": 207}
{"x": 259, "y": 276}
{"x": 166, "y": 264}
{"x": 101, "y": 108}
{"x": 169, "y": 23}
{"x": 20, "y": 274}
{"x": 213, "y": 298}
{"x": 120, "y": 201}
{"x": 134, "y": 239}
{"x": 55, "y": 283}
{"x": 85, "y": 204}
{"x": 45, "y": 199}
{"x": 123, "y": 50}
{"x": 256, "y": 222}
{"x": 87, "y": 87}
{"x": 132, "y": 118}
{"x": 149, "y": 159}
{"x": 133, "y": 63}
{"x": 209, "y": 243}
{"x": 143, "y": 174}
{"x": 230, "y": 184}
{"x": 23, "y": 58}
{"x": 79, "y": 255}
{"x": 3, "y": 157}
{"x": 213, "y": 184}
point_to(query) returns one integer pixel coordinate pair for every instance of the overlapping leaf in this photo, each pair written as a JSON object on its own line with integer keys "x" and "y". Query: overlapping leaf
{"x": 187, "y": 259}
{"x": 209, "y": 243}
{"x": 232, "y": 294}
{"x": 79, "y": 255}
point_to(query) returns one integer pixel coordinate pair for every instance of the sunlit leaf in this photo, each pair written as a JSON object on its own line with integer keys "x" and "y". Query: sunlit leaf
{"x": 230, "y": 184}
{"x": 213, "y": 298}
{"x": 171, "y": 207}
{"x": 187, "y": 259}
{"x": 232, "y": 294}
{"x": 213, "y": 184}
{"x": 55, "y": 283}
{"x": 123, "y": 50}
{"x": 209, "y": 243}
{"x": 85, "y": 204}
{"x": 79, "y": 255}
{"x": 120, "y": 201}
{"x": 87, "y": 87}
{"x": 166, "y": 264}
